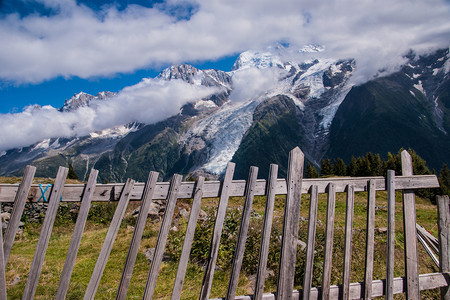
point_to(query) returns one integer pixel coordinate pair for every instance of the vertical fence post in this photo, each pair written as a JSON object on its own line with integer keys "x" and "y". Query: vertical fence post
{"x": 265, "y": 236}
{"x": 44, "y": 237}
{"x": 218, "y": 226}
{"x": 311, "y": 241}
{"x": 238, "y": 256}
{"x": 329, "y": 234}
{"x": 76, "y": 236}
{"x": 285, "y": 283}
{"x": 390, "y": 234}
{"x": 16, "y": 214}
{"x": 349, "y": 214}
{"x": 370, "y": 239}
{"x": 409, "y": 227}
{"x": 444, "y": 240}
{"x": 147, "y": 197}
{"x": 188, "y": 238}
{"x": 162, "y": 237}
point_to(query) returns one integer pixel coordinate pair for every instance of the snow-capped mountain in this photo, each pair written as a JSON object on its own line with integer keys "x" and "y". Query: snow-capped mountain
{"x": 83, "y": 99}
{"x": 307, "y": 102}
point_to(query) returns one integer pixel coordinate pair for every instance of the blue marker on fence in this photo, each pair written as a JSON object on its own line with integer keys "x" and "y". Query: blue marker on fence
{"x": 43, "y": 193}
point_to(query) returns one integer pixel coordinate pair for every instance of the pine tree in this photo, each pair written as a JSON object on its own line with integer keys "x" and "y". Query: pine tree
{"x": 352, "y": 168}
{"x": 71, "y": 174}
{"x": 339, "y": 167}
{"x": 444, "y": 180}
{"x": 325, "y": 167}
{"x": 377, "y": 165}
{"x": 363, "y": 166}
{"x": 393, "y": 163}
{"x": 419, "y": 164}
{"x": 311, "y": 171}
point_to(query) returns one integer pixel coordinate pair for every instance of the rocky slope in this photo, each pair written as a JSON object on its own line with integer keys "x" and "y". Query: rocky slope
{"x": 310, "y": 103}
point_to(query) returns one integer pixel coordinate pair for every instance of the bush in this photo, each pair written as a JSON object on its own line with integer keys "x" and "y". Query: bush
{"x": 202, "y": 242}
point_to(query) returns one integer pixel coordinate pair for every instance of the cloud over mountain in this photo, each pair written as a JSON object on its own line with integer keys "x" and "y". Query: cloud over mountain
{"x": 74, "y": 40}
{"x": 149, "y": 101}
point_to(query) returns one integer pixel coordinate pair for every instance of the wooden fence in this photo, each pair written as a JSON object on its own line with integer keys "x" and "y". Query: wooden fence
{"x": 293, "y": 187}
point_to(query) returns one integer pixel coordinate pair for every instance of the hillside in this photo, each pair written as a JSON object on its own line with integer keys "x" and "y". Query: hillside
{"x": 311, "y": 103}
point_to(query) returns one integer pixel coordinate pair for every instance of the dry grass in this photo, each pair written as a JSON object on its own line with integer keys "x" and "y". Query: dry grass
{"x": 23, "y": 251}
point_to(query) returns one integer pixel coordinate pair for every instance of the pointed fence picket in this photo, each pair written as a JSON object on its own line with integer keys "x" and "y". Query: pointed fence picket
{"x": 293, "y": 187}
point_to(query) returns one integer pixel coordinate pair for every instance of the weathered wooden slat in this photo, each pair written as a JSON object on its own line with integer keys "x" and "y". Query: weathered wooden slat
{"x": 76, "y": 237}
{"x": 409, "y": 227}
{"x": 329, "y": 235}
{"x": 44, "y": 237}
{"x": 2, "y": 264}
{"x": 311, "y": 241}
{"x": 426, "y": 282}
{"x": 108, "y": 192}
{"x": 428, "y": 250}
{"x": 349, "y": 213}
{"x": 265, "y": 235}
{"x": 188, "y": 238}
{"x": 444, "y": 240}
{"x": 16, "y": 214}
{"x": 370, "y": 240}
{"x": 218, "y": 226}
{"x": 238, "y": 255}
{"x": 285, "y": 283}
{"x": 137, "y": 236}
{"x": 109, "y": 241}
{"x": 390, "y": 234}
{"x": 432, "y": 241}
{"x": 162, "y": 237}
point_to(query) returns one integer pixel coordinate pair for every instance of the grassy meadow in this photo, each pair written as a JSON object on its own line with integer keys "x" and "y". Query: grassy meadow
{"x": 101, "y": 213}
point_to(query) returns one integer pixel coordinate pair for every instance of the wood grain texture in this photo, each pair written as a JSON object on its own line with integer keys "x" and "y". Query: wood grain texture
{"x": 188, "y": 238}
{"x": 242, "y": 235}
{"x": 111, "y": 192}
{"x": 16, "y": 214}
{"x": 409, "y": 227}
{"x": 426, "y": 282}
{"x": 109, "y": 241}
{"x": 289, "y": 240}
{"x": 311, "y": 241}
{"x": 329, "y": 235}
{"x": 76, "y": 236}
{"x": 370, "y": 241}
{"x": 44, "y": 237}
{"x": 390, "y": 234}
{"x": 266, "y": 231}
{"x": 218, "y": 226}
{"x": 444, "y": 240}
{"x": 349, "y": 213}
{"x": 137, "y": 235}
{"x": 162, "y": 237}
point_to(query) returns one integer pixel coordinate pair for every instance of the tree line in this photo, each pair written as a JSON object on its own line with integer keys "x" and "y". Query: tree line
{"x": 374, "y": 165}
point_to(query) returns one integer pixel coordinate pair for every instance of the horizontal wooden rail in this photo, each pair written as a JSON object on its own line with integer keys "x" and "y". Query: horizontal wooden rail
{"x": 426, "y": 282}
{"x": 111, "y": 192}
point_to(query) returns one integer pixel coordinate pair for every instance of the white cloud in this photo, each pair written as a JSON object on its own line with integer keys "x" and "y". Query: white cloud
{"x": 149, "y": 101}
{"x": 249, "y": 83}
{"x": 79, "y": 42}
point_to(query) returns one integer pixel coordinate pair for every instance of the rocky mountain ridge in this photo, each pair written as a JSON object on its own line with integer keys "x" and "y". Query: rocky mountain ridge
{"x": 310, "y": 103}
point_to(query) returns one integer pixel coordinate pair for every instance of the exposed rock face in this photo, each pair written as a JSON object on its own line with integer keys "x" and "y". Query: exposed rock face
{"x": 310, "y": 103}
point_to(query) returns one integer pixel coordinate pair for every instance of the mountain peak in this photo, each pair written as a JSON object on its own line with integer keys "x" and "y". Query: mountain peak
{"x": 83, "y": 99}
{"x": 184, "y": 72}
{"x": 257, "y": 59}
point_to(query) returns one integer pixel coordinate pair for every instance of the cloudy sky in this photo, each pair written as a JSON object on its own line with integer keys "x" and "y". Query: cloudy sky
{"x": 52, "y": 49}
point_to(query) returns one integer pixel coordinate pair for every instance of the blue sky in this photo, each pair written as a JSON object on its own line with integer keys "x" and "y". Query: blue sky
{"x": 15, "y": 96}
{"x": 54, "y": 92}
{"x": 52, "y": 49}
